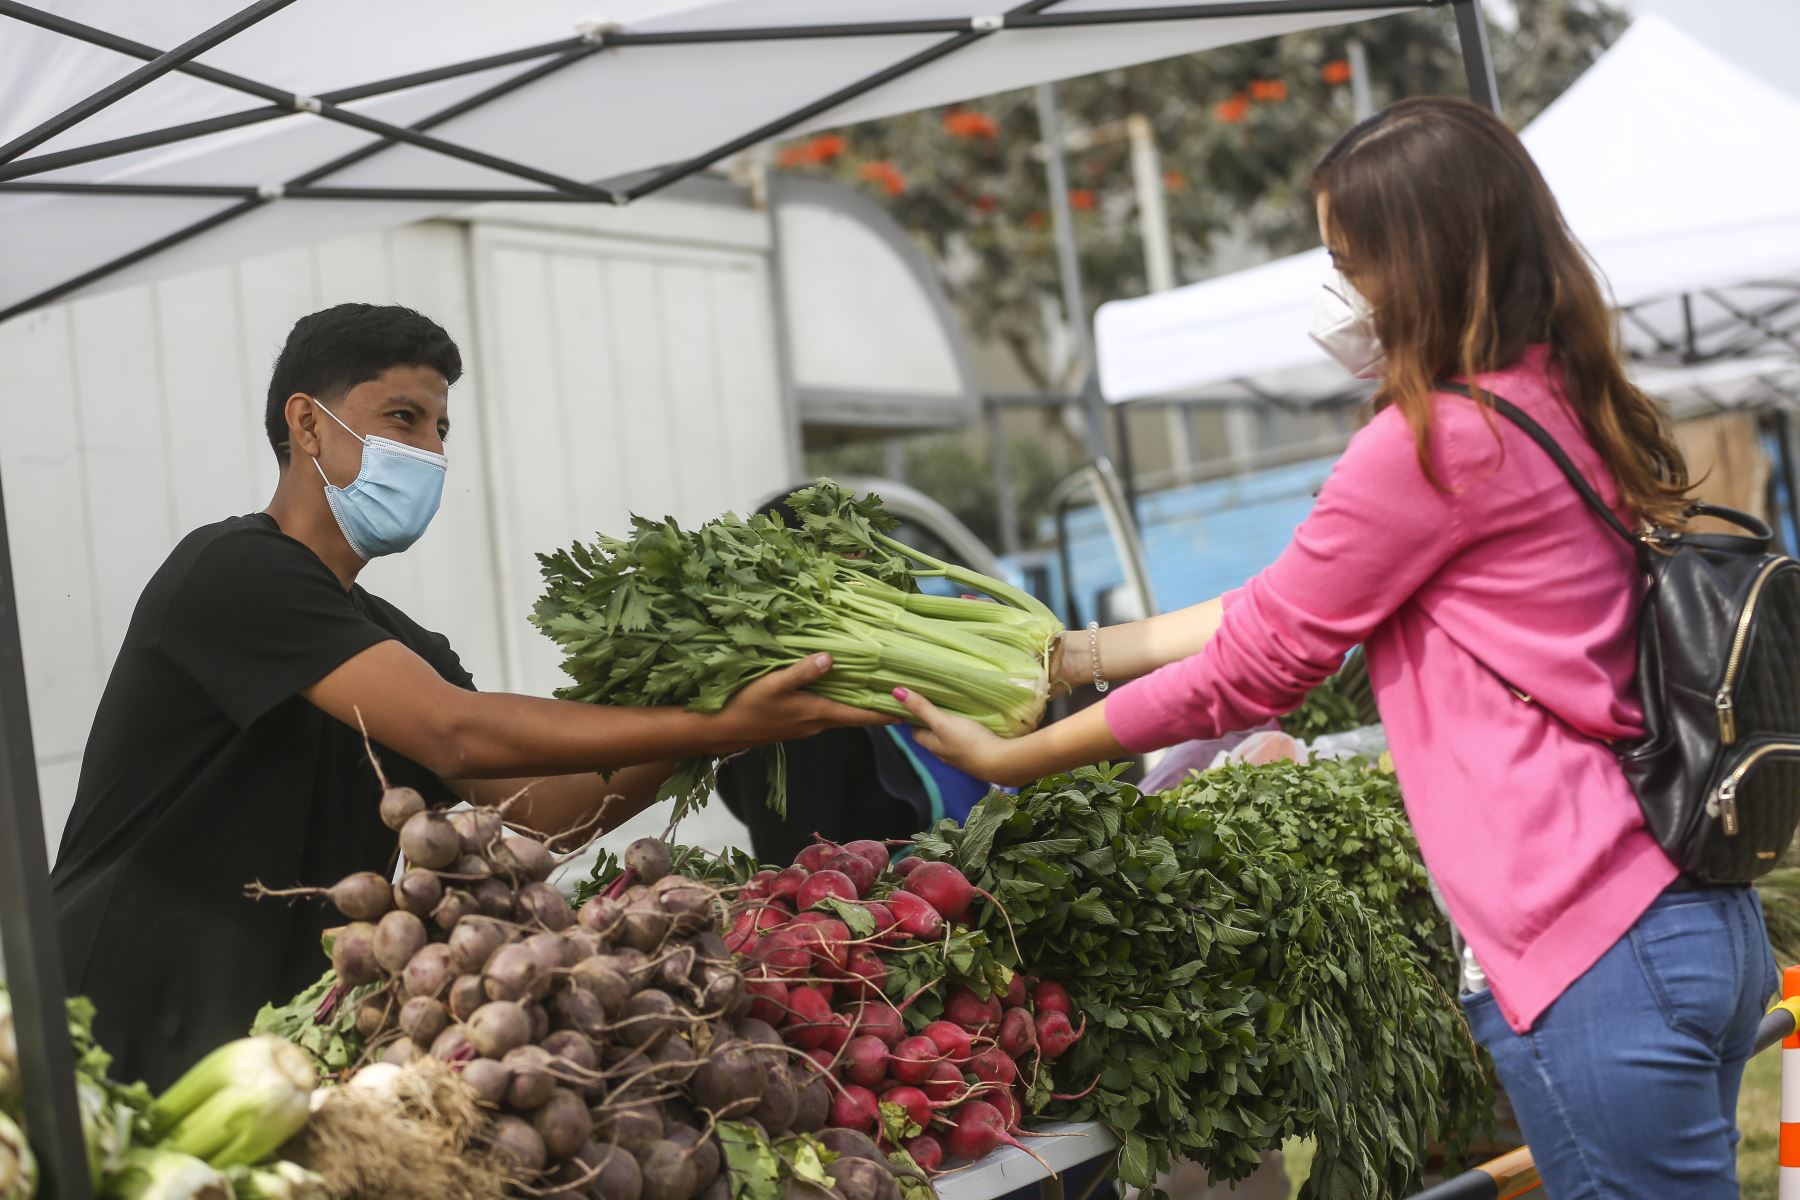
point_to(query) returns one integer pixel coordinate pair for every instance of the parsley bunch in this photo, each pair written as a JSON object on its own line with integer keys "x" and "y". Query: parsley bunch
{"x": 671, "y": 616}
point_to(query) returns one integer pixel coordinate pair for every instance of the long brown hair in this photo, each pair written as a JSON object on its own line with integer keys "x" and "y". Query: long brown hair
{"x": 1437, "y": 215}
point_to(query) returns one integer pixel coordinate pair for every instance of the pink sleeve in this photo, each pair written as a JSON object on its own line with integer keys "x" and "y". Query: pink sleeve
{"x": 1378, "y": 531}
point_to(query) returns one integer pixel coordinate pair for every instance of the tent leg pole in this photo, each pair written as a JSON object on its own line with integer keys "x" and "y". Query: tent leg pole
{"x": 1478, "y": 60}
{"x": 28, "y": 929}
{"x": 1068, "y": 257}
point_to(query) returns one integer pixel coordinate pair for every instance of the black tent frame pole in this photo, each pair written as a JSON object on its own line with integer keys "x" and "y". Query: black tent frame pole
{"x": 1478, "y": 59}
{"x": 27, "y": 927}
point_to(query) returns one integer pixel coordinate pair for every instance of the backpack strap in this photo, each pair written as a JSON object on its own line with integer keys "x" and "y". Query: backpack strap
{"x": 1538, "y": 434}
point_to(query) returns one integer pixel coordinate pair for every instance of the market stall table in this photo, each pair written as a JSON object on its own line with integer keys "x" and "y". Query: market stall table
{"x": 1062, "y": 1144}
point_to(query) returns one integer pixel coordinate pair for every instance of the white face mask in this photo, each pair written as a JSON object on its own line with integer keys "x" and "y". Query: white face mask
{"x": 1343, "y": 324}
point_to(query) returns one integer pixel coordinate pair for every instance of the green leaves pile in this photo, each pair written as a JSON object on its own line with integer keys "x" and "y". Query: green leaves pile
{"x": 1340, "y": 704}
{"x": 683, "y": 617}
{"x": 1235, "y": 995}
{"x": 321, "y": 1021}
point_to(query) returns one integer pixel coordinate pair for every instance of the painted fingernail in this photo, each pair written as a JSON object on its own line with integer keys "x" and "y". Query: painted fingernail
{"x": 901, "y": 694}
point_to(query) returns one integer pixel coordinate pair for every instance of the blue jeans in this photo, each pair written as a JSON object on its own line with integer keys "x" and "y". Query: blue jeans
{"x": 1627, "y": 1085}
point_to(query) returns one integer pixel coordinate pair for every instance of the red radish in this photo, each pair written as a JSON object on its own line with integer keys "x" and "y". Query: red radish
{"x": 953, "y": 1041}
{"x": 826, "y": 942}
{"x": 1015, "y": 991}
{"x": 914, "y": 916}
{"x": 1011, "y": 1111}
{"x": 915, "y": 1103}
{"x": 978, "y": 1129}
{"x": 864, "y": 973}
{"x": 768, "y": 999}
{"x": 759, "y": 886}
{"x": 855, "y": 1107}
{"x": 813, "y": 917}
{"x": 946, "y": 1085}
{"x": 1050, "y": 996}
{"x": 787, "y": 884}
{"x": 974, "y": 1014}
{"x": 866, "y": 1061}
{"x": 914, "y": 1060}
{"x": 1018, "y": 1035}
{"x": 784, "y": 952}
{"x": 878, "y": 1019}
{"x": 927, "y": 1151}
{"x": 814, "y": 856}
{"x": 901, "y": 868}
{"x": 837, "y": 1033}
{"x": 1054, "y": 1034}
{"x": 993, "y": 1066}
{"x": 873, "y": 851}
{"x": 809, "y": 1016}
{"x": 823, "y": 1059}
{"x": 749, "y": 926}
{"x": 821, "y": 884}
{"x": 885, "y": 932}
{"x": 856, "y": 868}
{"x": 944, "y": 887}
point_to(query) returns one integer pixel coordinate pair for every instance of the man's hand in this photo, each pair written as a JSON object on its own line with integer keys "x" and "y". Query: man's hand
{"x": 775, "y": 709}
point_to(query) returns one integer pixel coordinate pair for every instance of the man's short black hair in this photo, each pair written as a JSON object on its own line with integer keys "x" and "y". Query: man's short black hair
{"x": 333, "y": 350}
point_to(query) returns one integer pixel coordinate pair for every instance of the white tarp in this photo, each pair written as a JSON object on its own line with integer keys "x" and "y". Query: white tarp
{"x": 625, "y": 109}
{"x": 1677, "y": 170}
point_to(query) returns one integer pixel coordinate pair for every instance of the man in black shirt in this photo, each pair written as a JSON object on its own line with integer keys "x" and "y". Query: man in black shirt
{"x": 226, "y": 748}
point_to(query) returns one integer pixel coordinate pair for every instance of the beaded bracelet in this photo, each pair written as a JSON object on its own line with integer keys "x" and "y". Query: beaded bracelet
{"x": 1093, "y": 628}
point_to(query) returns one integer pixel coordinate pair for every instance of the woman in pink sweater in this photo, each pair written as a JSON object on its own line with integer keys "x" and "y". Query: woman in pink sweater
{"x": 1623, "y": 1000}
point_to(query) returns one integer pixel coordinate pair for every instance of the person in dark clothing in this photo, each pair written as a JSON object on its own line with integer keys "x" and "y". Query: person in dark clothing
{"x": 228, "y": 746}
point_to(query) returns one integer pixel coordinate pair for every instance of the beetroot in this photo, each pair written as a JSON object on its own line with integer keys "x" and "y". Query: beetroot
{"x": 974, "y": 1014}
{"x": 864, "y": 974}
{"x": 879, "y": 1018}
{"x": 836, "y": 1035}
{"x": 487, "y": 1079}
{"x": 942, "y": 886}
{"x": 821, "y": 884}
{"x": 914, "y": 917}
{"x": 927, "y": 1151}
{"x": 855, "y": 1108}
{"x": 1015, "y": 992}
{"x": 813, "y": 1107}
{"x": 648, "y": 859}
{"x": 768, "y": 999}
{"x": 418, "y": 892}
{"x": 1018, "y": 1035}
{"x": 1050, "y": 996}
{"x": 915, "y": 1103}
{"x": 787, "y": 884}
{"x": 953, "y": 1041}
{"x": 945, "y": 1085}
{"x": 813, "y": 857}
{"x": 398, "y": 937}
{"x": 823, "y": 1059}
{"x": 809, "y": 1016}
{"x": 398, "y": 806}
{"x": 668, "y": 1172}
{"x": 873, "y": 851}
{"x": 353, "y": 955}
{"x": 860, "y": 1179}
{"x": 729, "y": 1082}
{"x": 1007, "y": 1102}
{"x": 993, "y": 1066}
{"x": 603, "y": 915}
{"x": 914, "y": 1060}
{"x": 856, "y": 868}
{"x": 563, "y": 1122}
{"x": 866, "y": 1060}
{"x": 516, "y": 1140}
{"x": 1054, "y": 1034}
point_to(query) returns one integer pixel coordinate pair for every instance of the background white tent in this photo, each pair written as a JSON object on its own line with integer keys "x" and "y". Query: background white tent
{"x": 1677, "y": 170}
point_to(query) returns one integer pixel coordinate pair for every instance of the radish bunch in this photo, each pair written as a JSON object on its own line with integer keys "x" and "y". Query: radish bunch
{"x": 960, "y": 1079}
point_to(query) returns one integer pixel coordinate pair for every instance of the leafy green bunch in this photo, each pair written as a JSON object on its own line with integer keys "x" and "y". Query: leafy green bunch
{"x": 1234, "y": 996}
{"x": 671, "y": 616}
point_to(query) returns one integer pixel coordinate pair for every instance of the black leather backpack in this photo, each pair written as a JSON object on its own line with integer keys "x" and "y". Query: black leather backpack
{"x": 1717, "y": 772}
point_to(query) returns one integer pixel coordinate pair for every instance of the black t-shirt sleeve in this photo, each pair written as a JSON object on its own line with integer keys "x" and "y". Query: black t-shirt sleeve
{"x": 257, "y": 618}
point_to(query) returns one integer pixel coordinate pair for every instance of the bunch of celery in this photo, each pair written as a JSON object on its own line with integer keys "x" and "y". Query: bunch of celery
{"x": 683, "y": 617}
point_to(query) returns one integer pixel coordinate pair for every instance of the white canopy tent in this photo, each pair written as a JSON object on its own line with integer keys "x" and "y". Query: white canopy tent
{"x": 144, "y": 140}
{"x": 1676, "y": 170}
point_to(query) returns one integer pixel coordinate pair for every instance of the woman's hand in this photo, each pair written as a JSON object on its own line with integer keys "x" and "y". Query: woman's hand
{"x": 968, "y": 745}
{"x": 775, "y": 709}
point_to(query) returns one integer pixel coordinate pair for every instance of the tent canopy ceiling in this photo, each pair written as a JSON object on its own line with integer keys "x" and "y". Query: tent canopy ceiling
{"x": 1673, "y": 168}
{"x": 660, "y": 82}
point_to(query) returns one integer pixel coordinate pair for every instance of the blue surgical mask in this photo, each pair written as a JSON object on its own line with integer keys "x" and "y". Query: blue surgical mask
{"x": 393, "y": 497}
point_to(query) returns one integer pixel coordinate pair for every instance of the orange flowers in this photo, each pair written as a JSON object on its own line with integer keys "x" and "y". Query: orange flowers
{"x": 1268, "y": 89}
{"x": 1234, "y": 110}
{"x": 1174, "y": 181}
{"x": 813, "y": 153}
{"x": 1336, "y": 71}
{"x": 963, "y": 123}
{"x": 1081, "y": 200}
{"x": 884, "y": 175}
{"x": 987, "y": 203}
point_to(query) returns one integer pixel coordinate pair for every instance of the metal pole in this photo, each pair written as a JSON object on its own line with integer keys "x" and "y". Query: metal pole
{"x": 28, "y": 928}
{"x": 1159, "y": 261}
{"x": 1069, "y": 264}
{"x": 1362, "y": 99}
{"x": 1006, "y": 502}
{"x": 1478, "y": 60}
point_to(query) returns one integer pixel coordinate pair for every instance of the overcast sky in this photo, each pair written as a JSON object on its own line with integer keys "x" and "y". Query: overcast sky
{"x": 1763, "y": 35}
